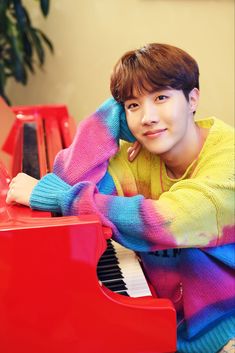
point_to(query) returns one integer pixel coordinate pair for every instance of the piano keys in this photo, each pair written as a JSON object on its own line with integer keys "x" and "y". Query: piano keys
{"x": 119, "y": 270}
{"x": 51, "y": 298}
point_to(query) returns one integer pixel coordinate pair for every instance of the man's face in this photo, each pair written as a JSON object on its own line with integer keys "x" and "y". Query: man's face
{"x": 161, "y": 120}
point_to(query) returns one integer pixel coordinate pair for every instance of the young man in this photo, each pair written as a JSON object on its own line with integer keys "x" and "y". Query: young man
{"x": 170, "y": 196}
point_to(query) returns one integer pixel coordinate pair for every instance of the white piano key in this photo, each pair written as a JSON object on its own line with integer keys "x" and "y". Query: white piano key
{"x": 132, "y": 271}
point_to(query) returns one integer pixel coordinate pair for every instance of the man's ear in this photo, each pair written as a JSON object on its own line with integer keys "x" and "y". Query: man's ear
{"x": 194, "y": 99}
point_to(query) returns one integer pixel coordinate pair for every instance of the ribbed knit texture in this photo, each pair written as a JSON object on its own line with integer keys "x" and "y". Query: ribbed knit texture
{"x": 192, "y": 216}
{"x": 211, "y": 342}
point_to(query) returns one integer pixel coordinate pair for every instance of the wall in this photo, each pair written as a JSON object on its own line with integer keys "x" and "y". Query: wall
{"x": 89, "y": 37}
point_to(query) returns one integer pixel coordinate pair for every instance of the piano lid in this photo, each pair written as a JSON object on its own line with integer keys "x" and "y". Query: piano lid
{"x": 7, "y": 121}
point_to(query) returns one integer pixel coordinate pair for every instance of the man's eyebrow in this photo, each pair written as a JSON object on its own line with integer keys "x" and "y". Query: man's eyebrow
{"x": 154, "y": 90}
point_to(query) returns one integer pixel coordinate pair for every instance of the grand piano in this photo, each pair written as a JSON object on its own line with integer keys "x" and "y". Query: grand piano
{"x": 64, "y": 287}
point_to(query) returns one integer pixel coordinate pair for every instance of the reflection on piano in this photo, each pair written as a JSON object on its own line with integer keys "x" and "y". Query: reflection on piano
{"x": 66, "y": 287}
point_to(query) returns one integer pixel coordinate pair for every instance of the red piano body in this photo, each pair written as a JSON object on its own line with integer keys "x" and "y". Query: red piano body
{"x": 50, "y": 298}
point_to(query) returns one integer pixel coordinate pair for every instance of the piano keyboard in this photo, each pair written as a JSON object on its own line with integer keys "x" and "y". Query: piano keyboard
{"x": 120, "y": 271}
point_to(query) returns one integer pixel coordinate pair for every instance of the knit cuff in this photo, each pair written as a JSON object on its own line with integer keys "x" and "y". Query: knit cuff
{"x": 113, "y": 115}
{"x": 211, "y": 340}
{"x": 125, "y": 133}
{"x": 48, "y": 193}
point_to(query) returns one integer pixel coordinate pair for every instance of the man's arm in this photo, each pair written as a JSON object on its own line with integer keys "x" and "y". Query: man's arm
{"x": 195, "y": 213}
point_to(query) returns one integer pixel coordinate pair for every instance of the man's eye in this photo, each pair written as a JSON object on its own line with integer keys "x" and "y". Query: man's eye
{"x": 132, "y": 105}
{"x": 161, "y": 98}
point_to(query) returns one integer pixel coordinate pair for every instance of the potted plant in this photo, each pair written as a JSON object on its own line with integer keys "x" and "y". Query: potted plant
{"x": 22, "y": 46}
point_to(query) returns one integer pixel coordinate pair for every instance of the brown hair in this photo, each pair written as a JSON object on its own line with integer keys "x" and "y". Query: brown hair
{"x": 151, "y": 68}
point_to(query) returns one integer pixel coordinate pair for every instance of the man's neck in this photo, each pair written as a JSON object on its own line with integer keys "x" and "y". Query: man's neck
{"x": 179, "y": 159}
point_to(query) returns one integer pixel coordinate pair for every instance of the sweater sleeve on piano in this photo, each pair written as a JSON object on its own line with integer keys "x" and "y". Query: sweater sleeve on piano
{"x": 194, "y": 213}
{"x": 95, "y": 142}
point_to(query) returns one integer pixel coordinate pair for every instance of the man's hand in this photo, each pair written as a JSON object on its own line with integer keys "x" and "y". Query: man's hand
{"x": 20, "y": 189}
{"x": 133, "y": 151}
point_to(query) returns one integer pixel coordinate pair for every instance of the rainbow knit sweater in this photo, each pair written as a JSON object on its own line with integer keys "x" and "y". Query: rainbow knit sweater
{"x": 183, "y": 229}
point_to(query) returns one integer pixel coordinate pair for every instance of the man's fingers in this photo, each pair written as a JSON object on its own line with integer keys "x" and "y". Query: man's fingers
{"x": 9, "y": 197}
{"x": 133, "y": 151}
{"x": 131, "y": 155}
{"x": 20, "y": 189}
{"x": 11, "y": 182}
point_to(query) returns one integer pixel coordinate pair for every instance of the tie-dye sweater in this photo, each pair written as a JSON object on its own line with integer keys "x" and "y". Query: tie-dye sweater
{"x": 183, "y": 229}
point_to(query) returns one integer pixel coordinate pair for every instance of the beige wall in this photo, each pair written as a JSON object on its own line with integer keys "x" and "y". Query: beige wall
{"x": 90, "y": 35}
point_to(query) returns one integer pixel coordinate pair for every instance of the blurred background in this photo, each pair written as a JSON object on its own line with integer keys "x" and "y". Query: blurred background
{"x": 89, "y": 36}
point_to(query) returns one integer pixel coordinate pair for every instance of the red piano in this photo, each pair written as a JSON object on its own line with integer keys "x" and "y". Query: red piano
{"x": 62, "y": 285}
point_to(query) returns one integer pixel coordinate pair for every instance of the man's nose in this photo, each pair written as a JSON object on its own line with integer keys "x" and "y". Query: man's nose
{"x": 150, "y": 115}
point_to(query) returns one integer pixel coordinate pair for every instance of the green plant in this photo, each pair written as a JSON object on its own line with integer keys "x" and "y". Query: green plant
{"x": 22, "y": 46}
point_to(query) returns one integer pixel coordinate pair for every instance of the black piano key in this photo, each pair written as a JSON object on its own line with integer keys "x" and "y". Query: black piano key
{"x": 109, "y": 271}
{"x": 109, "y": 252}
{"x": 123, "y": 293}
{"x": 109, "y": 255}
{"x": 30, "y": 151}
{"x": 111, "y": 261}
{"x": 103, "y": 267}
{"x": 116, "y": 286}
{"x": 108, "y": 276}
{"x": 108, "y": 259}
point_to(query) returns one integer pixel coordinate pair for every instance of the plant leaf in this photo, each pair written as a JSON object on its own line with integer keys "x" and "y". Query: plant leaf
{"x": 20, "y": 72}
{"x": 20, "y": 15}
{"x": 38, "y": 45}
{"x": 29, "y": 64}
{"x": 45, "y": 5}
{"x": 46, "y": 40}
{"x": 20, "y": 41}
{"x": 28, "y": 51}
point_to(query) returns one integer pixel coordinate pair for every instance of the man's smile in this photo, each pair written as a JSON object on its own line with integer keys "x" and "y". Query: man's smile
{"x": 154, "y": 133}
